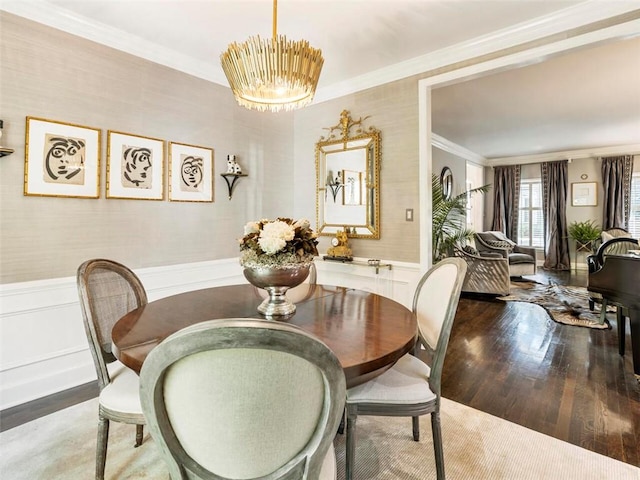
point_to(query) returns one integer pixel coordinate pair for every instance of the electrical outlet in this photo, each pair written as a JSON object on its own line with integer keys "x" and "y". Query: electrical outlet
{"x": 408, "y": 216}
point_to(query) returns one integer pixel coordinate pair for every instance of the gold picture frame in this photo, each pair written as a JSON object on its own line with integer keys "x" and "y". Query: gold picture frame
{"x": 61, "y": 159}
{"x": 584, "y": 194}
{"x": 190, "y": 173}
{"x": 135, "y": 166}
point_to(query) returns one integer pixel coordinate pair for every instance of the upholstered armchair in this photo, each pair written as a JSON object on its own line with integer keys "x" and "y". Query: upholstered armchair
{"x": 614, "y": 242}
{"x": 484, "y": 274}
{"x": 522, "y": 260}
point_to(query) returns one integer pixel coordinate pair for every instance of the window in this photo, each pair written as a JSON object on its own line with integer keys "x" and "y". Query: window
{"x": 634, "y": 211}
{"x": 530, "y": 222}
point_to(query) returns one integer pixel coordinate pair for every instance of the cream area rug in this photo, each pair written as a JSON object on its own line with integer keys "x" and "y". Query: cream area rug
{"x": 564, "y": 303}
{"x": 476, "y": 446}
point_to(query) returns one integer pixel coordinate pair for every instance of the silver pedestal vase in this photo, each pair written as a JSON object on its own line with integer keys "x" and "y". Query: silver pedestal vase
{"x": 276, "y": 281}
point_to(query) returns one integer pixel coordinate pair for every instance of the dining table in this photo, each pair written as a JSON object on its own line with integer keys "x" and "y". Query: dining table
{"x": 367, "y": 332}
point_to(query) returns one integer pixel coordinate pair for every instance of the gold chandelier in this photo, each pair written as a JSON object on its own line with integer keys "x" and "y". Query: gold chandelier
{"x": 272, "y": 74}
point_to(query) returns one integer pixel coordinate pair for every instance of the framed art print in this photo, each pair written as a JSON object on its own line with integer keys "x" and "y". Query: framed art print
{"x": 190, "y": 173}
{"x": 61, "y": 159}
{"x": 352, "y": 187}
{"x": 584, "y": 194}
{"x": 135, "y": 167}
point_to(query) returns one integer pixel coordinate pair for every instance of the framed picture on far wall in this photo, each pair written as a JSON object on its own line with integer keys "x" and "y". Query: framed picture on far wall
{"x": 584, "y": 194}
{"x": 190, "y": 173}
{"x": 61, "y": 159}
{"x": 135, "y": 166}
{"x": 352, "y": 187}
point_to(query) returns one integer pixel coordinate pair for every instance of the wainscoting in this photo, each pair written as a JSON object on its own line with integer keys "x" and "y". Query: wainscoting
{"x": 43, "y": 347}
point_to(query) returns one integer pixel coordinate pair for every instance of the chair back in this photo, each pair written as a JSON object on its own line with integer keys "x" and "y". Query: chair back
{"x": 435, "y": 303}
{"x": 108, "y": 290}
{"x": 243, "y": 398}
{"x": 615, "y": 246}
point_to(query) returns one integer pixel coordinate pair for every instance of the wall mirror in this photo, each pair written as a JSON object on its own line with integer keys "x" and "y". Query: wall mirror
{"x": 347, "y": 179}
{"x": 446, "y": 182}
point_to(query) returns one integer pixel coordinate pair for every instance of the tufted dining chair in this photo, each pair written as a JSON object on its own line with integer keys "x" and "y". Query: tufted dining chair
{"x": 108, "y": 290}
{"x": 412, "y": 386}
{"x": 245, "y": 399}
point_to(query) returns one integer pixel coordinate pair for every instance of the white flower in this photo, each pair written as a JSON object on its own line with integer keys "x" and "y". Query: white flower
{"x": 251, "y": 227}
{"x": 274, "y": 236}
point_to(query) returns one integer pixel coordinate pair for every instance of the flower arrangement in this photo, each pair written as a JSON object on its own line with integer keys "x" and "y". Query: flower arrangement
{"x": 277, "y": 243}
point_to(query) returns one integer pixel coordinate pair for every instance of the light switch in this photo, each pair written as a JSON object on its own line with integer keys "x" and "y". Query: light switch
{"x": 409, "y": 215}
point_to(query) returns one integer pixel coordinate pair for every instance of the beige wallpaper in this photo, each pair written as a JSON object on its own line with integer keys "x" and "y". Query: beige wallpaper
{"x": 50, "y": 74}
{"x": 393, "y": 109}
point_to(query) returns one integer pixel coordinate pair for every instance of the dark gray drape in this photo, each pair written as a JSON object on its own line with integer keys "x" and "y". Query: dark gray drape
{"x": 506, "y": 200}
{"x": 616, "y": 179}
{"x": 554, "y": 211}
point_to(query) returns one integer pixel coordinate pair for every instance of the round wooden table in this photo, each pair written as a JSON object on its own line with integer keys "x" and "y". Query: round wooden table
{"x": 367, "y": 332}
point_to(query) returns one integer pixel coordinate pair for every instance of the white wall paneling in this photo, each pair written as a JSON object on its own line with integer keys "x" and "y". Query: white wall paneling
{"x": 43, "y": 347}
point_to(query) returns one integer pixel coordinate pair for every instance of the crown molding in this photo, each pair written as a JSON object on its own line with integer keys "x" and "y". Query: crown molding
{"x": 558, "y": 22}
{"x": 61, "y": 19}
{"x": 446, "y": 145}
{"x": 633, "y": 149}
{"x": 578, "y": 15}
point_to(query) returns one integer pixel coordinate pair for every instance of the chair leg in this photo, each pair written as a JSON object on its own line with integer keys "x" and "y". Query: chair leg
{"x": 437, "y": 445}
{"x": 342, "y": 421}
{"x": 101, "y": 451}
{"x": 350, "y": 450}
{"x": 592, "y": 304}
{"x": 139, "y": 434}
{"x": 415, "y": 422}
{"x": 603, "y": 311}
{"x": 621, "y": 320}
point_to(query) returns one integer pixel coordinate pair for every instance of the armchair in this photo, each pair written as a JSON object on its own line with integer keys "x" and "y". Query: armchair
{"x": 484, "y": 274}
{"x": 612, "y": 245}
{"x": 522, "y": 260}
{"x": 615, "y": 241}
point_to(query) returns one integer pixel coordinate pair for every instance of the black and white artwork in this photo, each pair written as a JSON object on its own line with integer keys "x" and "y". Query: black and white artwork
{"x": 135, "y": 166}
{"x": 61, "y": 159}
{"x": 190, "y": 173}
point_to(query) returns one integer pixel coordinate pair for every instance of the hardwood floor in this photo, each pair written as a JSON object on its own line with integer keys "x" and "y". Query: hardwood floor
{"x": 511, "y": 360}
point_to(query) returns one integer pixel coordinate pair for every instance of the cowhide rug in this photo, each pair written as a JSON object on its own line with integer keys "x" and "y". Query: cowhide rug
{"x": 565, "y": 304}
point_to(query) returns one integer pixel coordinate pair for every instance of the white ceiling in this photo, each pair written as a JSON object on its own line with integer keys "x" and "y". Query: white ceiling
{"x": 356, "y": 36}
{"x": 365, "y": 39}
{"x": 582, "y": 100}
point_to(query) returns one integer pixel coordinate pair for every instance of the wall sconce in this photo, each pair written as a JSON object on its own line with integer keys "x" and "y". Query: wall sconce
{"x": 234, "y": 172}
{"x": 3, "y": 150}
{"x": 334, "y": 184}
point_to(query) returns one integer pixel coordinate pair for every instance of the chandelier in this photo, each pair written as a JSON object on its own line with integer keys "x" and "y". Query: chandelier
{"x": 272, "y": 74}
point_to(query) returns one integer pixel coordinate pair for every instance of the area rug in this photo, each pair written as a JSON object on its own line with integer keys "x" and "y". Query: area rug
{"x": 476, "y": 446}
{"x": 564, "y": 303}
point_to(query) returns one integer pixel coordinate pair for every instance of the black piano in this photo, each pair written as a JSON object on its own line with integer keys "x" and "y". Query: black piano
{"x": 618, "y": 281}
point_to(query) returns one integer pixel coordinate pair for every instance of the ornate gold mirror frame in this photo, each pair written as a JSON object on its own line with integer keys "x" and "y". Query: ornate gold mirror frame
{"x": 347, "y": 179}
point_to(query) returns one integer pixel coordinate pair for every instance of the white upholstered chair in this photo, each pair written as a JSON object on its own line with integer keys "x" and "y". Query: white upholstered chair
{"x": 108, "y": 290}
{"x": 244, "y": 399}
{"x": 412, "y": 386}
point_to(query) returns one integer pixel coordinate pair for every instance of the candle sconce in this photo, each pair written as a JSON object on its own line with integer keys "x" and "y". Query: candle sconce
{"x": 335, "y": 185}
{"x": 335, "y": 188}
{"x": 3, "y": 150}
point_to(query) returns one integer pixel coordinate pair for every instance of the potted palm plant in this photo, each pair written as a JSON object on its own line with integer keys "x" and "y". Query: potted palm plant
{"x": 449, "y": 219}
{"x": 585, "y": 234}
